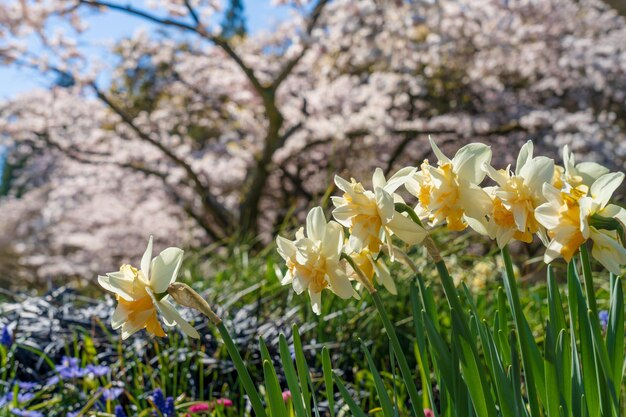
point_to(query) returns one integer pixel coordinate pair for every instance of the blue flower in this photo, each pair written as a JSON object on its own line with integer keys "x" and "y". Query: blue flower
{"x": 72, "y": 414}
{"x": 98, "y": 370}
{"x": 27, "y": 386}
{"x": 158, "y": 399}
{"x": 119, "y": 411}
{"x": 110, "y": 394}
{"x": 5, "y": 338}
{"x": 169, "y": 410}
{"x": 26, "y": 413}
{"x": 21, "y": 398}
{"x": 604, "y": 319}
{"x": 69, "y": 369}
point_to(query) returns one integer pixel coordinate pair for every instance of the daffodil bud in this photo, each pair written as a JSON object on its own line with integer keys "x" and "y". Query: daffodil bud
{"x": 184, "y": 295}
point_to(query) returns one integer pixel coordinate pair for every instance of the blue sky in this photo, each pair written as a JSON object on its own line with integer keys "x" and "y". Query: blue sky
{"x": 112, "y": 25}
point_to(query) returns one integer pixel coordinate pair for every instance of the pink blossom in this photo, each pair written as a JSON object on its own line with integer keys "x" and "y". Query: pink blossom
{"x": 286, "y": 395}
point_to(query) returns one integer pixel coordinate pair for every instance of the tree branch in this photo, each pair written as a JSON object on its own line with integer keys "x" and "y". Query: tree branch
{"x": 178, "y": 198}
{"x": 209, "y": 201}
{"x": 290, "y": 65}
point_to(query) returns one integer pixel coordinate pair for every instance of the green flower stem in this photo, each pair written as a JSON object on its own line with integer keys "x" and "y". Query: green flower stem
{"x": 447, "y": 281}
{"x": 589, "y": 289}
{"x": 511, "y": 286}
{"x": 407, "y": 375}
{"x": 405, "y": 208}
{"x": 185, "y": 295}
{"x": 242, "y": 371}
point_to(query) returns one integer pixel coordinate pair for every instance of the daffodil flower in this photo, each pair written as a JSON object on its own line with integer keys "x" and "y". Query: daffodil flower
{"x": 141, "y": 293}
{"x": 572, "y": 175}
{"x": 372, "y": 267}
{"x": 516, "y": 197}
{"x": 449, "y": 192}
{"x": 371, "y": 215}
{"x": 572, "y": 218}
{"x": 314, "y": 259}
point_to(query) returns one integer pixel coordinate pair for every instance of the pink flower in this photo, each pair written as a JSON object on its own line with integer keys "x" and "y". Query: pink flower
{"x": 428, "y": 413}
{"x": 199, "y": 408}
{"x": 204, "y": 407}
{"x": 225, "y": 402}
{"x": 286, "y": 395}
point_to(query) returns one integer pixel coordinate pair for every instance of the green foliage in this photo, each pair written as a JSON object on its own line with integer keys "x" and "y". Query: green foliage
{"x": 234, "y": 22}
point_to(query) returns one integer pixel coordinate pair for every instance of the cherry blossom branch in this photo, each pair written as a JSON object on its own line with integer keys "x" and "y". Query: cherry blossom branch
{"x": 209, "y": 201}
{"x": 75, "y": 155}
{"x": 312, "y": 22}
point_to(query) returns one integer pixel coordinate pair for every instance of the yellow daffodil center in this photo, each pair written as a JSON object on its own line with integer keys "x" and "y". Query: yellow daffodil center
{"x": 364, "y": 263}
{"x": 441, "y": 197}
{"x": 141, "y": 311}
{"x": 313, "y": 272}
{"x": 569, "y": 217}
{"x": 366, "y": 218}
{"x": 515, "y": 195}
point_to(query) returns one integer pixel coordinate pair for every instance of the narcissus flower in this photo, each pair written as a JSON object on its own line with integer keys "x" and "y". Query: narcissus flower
{"x": 572, "y": 175}
{"x": 449, "y": 192}
{"x": 573, "y": 217}
{"x": 371, "y": 215}
{"x": 372, "y": 267}
{"x": 314, "y": 259}
{"x": 142, "y": 293}
{"x": 516, "y": 197}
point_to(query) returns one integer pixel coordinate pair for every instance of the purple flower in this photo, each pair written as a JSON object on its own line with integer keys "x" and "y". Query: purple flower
{"x": 110, "y": 394}
{"x": 21, "y": 398}
{"x": 98, "y": 370}
{"x": 158, "y": 399}
{"x": 27, "y": 386}
{"x": 69, "y": 369}
{"x": 5, "y": 338}
{"x": 72, "y": 414}
{"x": 26, "y": 413}
{"x": 169, "y": 410}
{"x": 119, "y": 411}
{"x": 604, "y": 319}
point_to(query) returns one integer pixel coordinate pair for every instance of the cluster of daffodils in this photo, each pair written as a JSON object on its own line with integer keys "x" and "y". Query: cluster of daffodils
{"x": 564, "y": 206}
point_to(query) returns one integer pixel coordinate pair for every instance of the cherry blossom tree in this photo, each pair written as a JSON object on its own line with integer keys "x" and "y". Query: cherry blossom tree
{"x": 200, "y": 137}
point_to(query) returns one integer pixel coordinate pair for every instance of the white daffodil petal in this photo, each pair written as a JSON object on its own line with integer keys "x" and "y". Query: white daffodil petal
{"x": 536, "y": 172}
{"x": 406, "y": 229}
{"x": 385, "y": 205}
{"x": 167, "y": 309}
{"x": 315, "y": 224}
{"x": 384, "y": 277}
{"x": 524, "y": 156}
{"x": 378, "y": 179}
{"x": 332, "y": 242}
{"x": 591, "y": 171}
{"x": 469, "y": 160}
{"x": 342, "y": 184}
{"x": 608, "y": 251}
{"x": 118, "y": 284}
{"x": 146, "y": 259}
{"x": 603, "y": 188}
{"x": 548, "y": 216}
{"x": 286, "y": 248}
{"x": 399, "y": 178}
{"x": 316, "y": 301}
{"x": 440, "y": 156}
{"x": 119, "y": 317}
{"x": 340, "y": 283}
{"x": 165, "y": 269}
